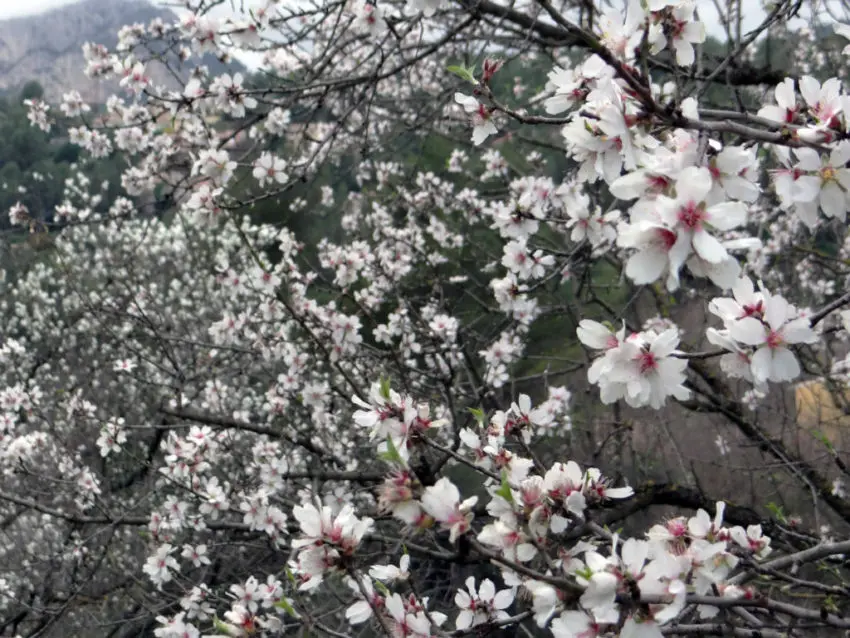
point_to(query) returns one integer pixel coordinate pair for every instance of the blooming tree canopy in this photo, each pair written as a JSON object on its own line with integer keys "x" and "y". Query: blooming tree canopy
{"x": 541, "y": 389}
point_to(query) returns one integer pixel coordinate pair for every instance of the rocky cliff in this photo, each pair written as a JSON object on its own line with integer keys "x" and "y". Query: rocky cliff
{"x": 47, "y": 47}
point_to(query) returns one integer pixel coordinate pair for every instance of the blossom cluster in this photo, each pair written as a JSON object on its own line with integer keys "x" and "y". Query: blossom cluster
{"x": 640, "y": 368}
{"x": 758, "y": 328}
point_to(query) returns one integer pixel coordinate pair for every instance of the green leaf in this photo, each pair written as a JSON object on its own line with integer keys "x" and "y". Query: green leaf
{"x": 820, "y": 436}
{"x": 291, "y": 577}
{"x": 391, "y": 455}
{"x": 285, "y": 606}
{"x": 829, "y": 604}
{"x": 463, "y": 73}
{"x": 585, "y": 573}
{"x": 505, "y": 489}
{"x": 385, "y": 388}
{"x": 478, "y": 414}
{"x": 221, "y": 627}
{"x": 777, "y": 512}
{"x": 382, "y": 588}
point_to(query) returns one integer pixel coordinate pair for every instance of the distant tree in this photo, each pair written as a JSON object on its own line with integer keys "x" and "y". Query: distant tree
{"x": 32, "y": 91}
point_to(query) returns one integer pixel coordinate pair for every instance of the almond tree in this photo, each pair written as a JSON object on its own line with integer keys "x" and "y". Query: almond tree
{"x": 450, "y": 414}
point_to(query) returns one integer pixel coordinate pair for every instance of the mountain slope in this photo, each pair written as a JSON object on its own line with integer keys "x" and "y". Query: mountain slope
{"x": 48, "y": 47}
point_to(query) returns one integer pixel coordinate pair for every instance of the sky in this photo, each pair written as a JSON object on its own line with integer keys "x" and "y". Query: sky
{"x": 13, "y": 9}
{"x": 8, "y": 9}
{"x": 753, "y": 11}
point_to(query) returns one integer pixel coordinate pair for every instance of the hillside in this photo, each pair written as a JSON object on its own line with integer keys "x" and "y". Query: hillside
{"x": 47, "y": 47}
